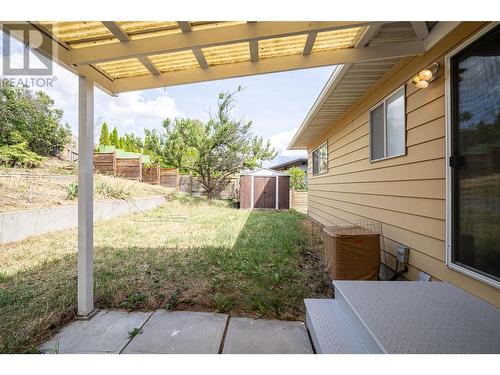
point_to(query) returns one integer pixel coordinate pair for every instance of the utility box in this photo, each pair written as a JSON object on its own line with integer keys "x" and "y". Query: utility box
{"x": 351, "y": 253}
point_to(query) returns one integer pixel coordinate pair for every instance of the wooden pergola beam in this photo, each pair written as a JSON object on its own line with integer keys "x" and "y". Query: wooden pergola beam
{"x": 185, "y": 26}
{"x": 57, "y": 52}
{"x": 253, "y": 45}
{"x": 271, "y": 65}
{"x": 116, "y": 30}
{"x": 201, "y": 39}
{"x": 311, "y": 38}
{"x": 421, "y": 30}
{"x": 123, "y": 37}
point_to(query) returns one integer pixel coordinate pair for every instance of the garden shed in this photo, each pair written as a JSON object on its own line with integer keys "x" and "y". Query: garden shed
{"x": 265, "y": 188}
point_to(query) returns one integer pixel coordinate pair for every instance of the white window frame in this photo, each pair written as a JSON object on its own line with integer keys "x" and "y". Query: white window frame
{"x": 449, "y": 182}
{"x": 384, "y": 103}
{"x": 327, "y": 157}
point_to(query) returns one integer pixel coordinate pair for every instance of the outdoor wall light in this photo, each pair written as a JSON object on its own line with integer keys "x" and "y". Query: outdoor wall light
{"x": 425, "y": 76}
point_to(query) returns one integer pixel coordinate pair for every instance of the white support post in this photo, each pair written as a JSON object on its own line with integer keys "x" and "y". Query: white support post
{"x": 85, "y": 196}
{"x": 277, "y": 191}
{"x": 252, "y": 196}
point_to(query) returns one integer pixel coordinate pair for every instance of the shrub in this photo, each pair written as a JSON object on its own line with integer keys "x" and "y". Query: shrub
{"x": 72, "y": 190}
{"x": 30, "y": 117}
{"x": 19, "y": 156}
{"x": 108, "y": 191}
{"x": 297, "y": 179}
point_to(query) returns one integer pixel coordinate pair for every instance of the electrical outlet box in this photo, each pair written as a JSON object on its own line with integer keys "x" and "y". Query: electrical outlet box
{"x": 403, "y": 254}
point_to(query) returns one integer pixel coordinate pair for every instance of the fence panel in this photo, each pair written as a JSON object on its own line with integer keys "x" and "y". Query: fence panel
{"x": 151, "y": 174}
{"x": 105, "y": 162}
{"x": 130, "y": 168}
{"x": 298, "y": 200}
{"x": 169, "y": 177}
{"x": 186, "y": 183}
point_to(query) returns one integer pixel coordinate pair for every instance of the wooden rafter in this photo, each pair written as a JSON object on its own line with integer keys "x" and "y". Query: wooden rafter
{"x": 421, "y": 30}
{"x": 311, "y": 38}
{"x": 201, "y": 39}
{"x": 254, "y": 50}
{"x": 185, "y": 26}
{"x": 123, "y": 37}
{"x": 271, "y": 65}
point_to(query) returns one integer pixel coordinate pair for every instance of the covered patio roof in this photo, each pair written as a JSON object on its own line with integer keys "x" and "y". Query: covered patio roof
{"x": 350, "y": 81}
{"x": 127, "y": 56}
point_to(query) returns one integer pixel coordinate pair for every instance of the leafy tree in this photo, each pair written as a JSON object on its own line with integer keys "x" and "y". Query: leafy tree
{"x": 152, "y": 144}
{"x": 104, "y": 138}
{"x": 113, "y": 138}
{"x": 30, "y": 117}
{"x": 214, "y": 150}
{"x": 121, "y": 143}
{"x": 297, "y": 179}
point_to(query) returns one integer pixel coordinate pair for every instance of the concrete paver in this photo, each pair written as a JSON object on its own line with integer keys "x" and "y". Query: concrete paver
{"x": 107, "y": 332}
{"x": 249, "y": 336}
{"x": 180, "y": 332}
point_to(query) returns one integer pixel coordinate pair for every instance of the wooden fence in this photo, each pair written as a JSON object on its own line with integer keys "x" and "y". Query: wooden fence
{"x": 105, "y": 163}
{"x": 298, "y": 200}
{"x": 129, "y": 168}
{"x": 151, "y": 174}
{"x": 169, "y": 177}
{"x": 134, "y": 169}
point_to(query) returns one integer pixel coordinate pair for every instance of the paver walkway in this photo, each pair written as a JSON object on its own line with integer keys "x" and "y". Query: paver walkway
{"x": 178, "y": 332}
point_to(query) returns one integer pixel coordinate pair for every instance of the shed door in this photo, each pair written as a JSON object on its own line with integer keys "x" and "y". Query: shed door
{"x": 265, "y": 192}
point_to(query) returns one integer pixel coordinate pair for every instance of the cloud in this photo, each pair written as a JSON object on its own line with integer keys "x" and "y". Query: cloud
{"x": 134, "y": 111}
{"x": 280, "y": 142}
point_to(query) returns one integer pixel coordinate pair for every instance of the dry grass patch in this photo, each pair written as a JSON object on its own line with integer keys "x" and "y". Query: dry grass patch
{"x": 24, "y": 189}
{"x": 187, "y": 255}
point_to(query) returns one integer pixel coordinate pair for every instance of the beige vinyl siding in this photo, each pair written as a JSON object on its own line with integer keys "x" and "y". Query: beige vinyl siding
{"x": 406, "y": 193}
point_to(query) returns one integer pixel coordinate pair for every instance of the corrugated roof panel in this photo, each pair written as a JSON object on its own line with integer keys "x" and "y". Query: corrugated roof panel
{"x": 122, "y": 68}
{"x": 169, "y": 62}
{"x": 70, "y": 32}
{"x": 337, "y": 39}
{"x": 226, "y": 54}
{"x": 200, "y": 25}
{"x": 290, "y": 45}
{"x": 148, "y": 29}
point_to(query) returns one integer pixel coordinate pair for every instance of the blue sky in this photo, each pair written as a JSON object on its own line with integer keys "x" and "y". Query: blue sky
{"x": 276, "y": 103}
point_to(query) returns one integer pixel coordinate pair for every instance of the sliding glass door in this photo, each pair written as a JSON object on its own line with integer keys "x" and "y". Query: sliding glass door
{"x": 475, "y": 156}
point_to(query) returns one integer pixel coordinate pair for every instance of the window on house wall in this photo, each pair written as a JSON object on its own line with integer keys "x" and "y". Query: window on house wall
{"x": 388, "y": 127}
{"x": 474, "y": 189}
{"x": 320, "y": 159}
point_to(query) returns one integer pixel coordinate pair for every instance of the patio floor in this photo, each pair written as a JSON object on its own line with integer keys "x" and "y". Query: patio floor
{"x": 178, "y": 332}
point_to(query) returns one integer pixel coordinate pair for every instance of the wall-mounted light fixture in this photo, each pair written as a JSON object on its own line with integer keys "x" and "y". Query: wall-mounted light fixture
{"x": 425, "y": 76}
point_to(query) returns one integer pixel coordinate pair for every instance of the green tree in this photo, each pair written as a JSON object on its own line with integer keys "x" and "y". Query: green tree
{"x": 297, "y": 179}
{"x": 152, "y": 144}
{"x": 30, "y": 117}
{"x": 113, "y": 138}
{"x": 104, "y": 138}
{"x": 214, "y": 150}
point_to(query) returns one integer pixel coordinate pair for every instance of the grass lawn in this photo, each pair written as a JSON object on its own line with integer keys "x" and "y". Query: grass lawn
{"x": 187, "y": 255}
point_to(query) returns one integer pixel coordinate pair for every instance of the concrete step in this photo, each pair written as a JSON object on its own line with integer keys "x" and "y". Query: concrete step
{"x": 330, "y": 329}
{"x": 402, "y": 317}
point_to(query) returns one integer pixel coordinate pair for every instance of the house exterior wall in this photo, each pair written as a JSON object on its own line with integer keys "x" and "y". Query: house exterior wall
{"x": 406, "y": 194}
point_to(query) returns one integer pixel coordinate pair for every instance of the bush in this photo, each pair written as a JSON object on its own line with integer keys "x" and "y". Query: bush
{"x": 72, "y": 190}
{"x": 108, "y": 191}
{"x": 19, "y": 156}
{"x": 30, "y": 117}
{"x": 297, "y": 179}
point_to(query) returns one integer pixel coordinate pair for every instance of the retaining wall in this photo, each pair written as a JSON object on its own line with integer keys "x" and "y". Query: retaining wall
{"x": 18, "y": 225}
